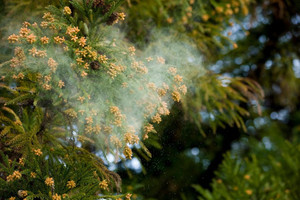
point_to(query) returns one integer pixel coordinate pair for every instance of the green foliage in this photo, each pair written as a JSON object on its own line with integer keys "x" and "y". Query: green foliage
{"x": 217, "y": 101}
{"x": 267, "y": 174}
{"x": 23, "y": 133}
{"x": 38, "y": 134}
{"x": 62, "y": 164}
{"x": 20, "y": 8}
{"x": 88, "y": 16}
{"x": 203, "y": 21}
{"x": 43, "y": 128}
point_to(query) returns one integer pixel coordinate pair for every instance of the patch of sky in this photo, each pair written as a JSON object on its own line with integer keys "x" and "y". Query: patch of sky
{"x": 112, "y": 167}
{"x": 253, "y": 102}
{"x": 225, "y": 82}
{"x": 135, "y": 165}
{"x": 235, "y": 146}
{"x": 260, "y": 122}
{"x": 251, "y": 129}
{"x": 281, "y": 115}
{"x": 225, "y": 79}
{"x": 245, "y": 68}
{"x": 195, "y": 151}
{"x": 260, "y": 19}
{"x": 13, "y": 85}
{"x": 74, "y": 136}
{"x": 236, "y": 32}
{"x": 276, "y": 89}
{"x": 296, "y": 67}
{"x": 268, "y": 64}
{"x": 253, "y": 67}
{"x": 262, "y": 39}
{"x": 62, "y": 162}
{"x": 267, "y": 143}
{"x": 260, "y": 13}
{"x": 194, "y": 154}
{"x": 206, "y": 116}
{"x": 274, "y": 115}
{"x": 78, "y": 144}
{"x": 238, "y": 60}
{"x": 110, "y": 158}
{"x": 238, "y": 147}
{"x": 285, "y": 38}
{"x": 205, "y": 163}
{"x": 217, "y": 66}
{"x": 296, "y": 19}
{"x": 101, "y": 155}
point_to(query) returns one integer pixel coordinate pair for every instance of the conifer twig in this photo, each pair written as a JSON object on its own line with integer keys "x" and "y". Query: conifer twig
{"x": 113, "y": 196}
{"x": 5, "y": 63}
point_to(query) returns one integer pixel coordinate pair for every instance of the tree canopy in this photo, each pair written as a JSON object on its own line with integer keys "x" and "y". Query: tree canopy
{"x": 164, "y": 99}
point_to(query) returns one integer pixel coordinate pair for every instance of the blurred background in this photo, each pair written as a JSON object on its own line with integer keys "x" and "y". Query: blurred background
{"x": 236, "y": 134}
